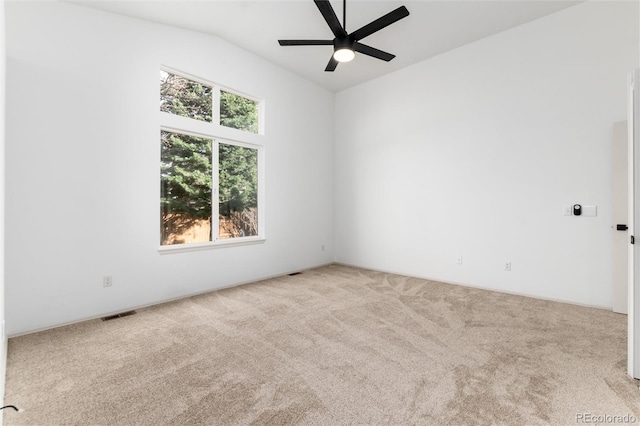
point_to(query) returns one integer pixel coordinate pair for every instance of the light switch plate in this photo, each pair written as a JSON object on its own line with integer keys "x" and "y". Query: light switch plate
{"x": 589, "y": 210}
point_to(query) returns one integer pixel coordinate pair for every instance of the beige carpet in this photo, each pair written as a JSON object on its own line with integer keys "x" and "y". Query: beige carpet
{"x": 334, "y": 345}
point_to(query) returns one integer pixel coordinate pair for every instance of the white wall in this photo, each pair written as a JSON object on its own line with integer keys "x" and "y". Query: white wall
{"x": 3, "y": 338}
{"x": 83, "y": 165}
{"x": 475, "y": 152}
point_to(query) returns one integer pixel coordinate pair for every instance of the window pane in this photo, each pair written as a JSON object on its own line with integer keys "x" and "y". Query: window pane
{"x": 185, "y": 97}
{"x": 238, "y": 191}
{"x": 238, "y": 112}
{"x": 185, "y": 199}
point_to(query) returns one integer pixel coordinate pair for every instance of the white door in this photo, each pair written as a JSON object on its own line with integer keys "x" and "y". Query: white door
{"x": 633, "y": 355}
{"x": 620, "y": 235}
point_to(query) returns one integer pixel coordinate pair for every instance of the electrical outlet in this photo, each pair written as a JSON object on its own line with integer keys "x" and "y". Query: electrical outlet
{"x": 507, "y": 266}
{"x": 459, "y": 260}
{"x": 107, "y": 281}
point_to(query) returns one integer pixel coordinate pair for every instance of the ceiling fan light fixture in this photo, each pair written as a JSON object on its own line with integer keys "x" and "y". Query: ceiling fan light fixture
{"x": 345, "y": 45}
{"x": 344, "y": 54}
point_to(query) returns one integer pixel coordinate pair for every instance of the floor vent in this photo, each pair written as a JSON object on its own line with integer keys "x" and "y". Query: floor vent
{"x": 123, "y": 314}
{"x": 294, "y": 273}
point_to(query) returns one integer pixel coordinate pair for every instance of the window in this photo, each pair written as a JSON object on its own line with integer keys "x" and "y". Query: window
{"x": 238, "y": 191}
{"x": 238, "y": 112}
{"x": 184, "y": 97}
{"x": 210, "y": 185}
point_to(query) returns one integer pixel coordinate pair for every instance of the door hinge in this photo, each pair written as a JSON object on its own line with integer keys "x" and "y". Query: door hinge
{"x": 633, "y": 240}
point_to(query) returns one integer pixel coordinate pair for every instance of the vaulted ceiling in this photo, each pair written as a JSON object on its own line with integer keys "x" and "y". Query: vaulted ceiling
{"x": 433, "y": 27}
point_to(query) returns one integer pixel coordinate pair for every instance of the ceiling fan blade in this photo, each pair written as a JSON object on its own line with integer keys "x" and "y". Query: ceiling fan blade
{"x": 331, "y": 66}
{"x": 305, "y": 42}
{"x": 372, "y": 51}
{"x": 380, "y": 23}
{"x": 330, "y": 16}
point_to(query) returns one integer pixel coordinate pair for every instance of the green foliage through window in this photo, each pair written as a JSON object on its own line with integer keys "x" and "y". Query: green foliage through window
{"x": 186, "y": 182}
{"x": 238, "y": 172}
{"x": 185, "y": 97}
{"x": 238, "y": 112}
{"x": 186, "y": 176}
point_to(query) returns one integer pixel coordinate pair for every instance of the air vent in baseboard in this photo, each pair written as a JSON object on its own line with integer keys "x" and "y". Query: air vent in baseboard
{"x": 123, "y": 314}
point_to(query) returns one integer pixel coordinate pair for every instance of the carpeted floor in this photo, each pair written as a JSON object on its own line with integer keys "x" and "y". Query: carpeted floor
{"x": 334, "y": 345}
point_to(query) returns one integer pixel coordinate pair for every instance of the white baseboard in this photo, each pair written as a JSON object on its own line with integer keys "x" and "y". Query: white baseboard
{"x": 134, "y": 307}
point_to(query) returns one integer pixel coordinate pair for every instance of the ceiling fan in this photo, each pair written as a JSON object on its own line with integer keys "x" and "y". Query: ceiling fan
{"x": 344, "y": 44}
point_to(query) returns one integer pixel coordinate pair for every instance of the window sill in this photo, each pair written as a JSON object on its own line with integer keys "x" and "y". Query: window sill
{"x": 181, "y": 248}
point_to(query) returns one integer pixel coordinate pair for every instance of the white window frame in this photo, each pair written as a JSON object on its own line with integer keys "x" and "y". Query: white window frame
{"x": 219, "y": 134}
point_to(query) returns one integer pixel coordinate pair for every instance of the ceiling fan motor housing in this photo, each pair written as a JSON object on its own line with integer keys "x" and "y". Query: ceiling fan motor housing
{"x": 344, "y": 43}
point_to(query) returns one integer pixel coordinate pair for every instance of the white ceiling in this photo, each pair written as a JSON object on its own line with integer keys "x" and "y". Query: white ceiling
{"x": 431, "y": 28}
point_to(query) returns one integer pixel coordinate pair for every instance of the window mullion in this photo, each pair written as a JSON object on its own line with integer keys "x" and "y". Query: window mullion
{"x": 215, "y": 187}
